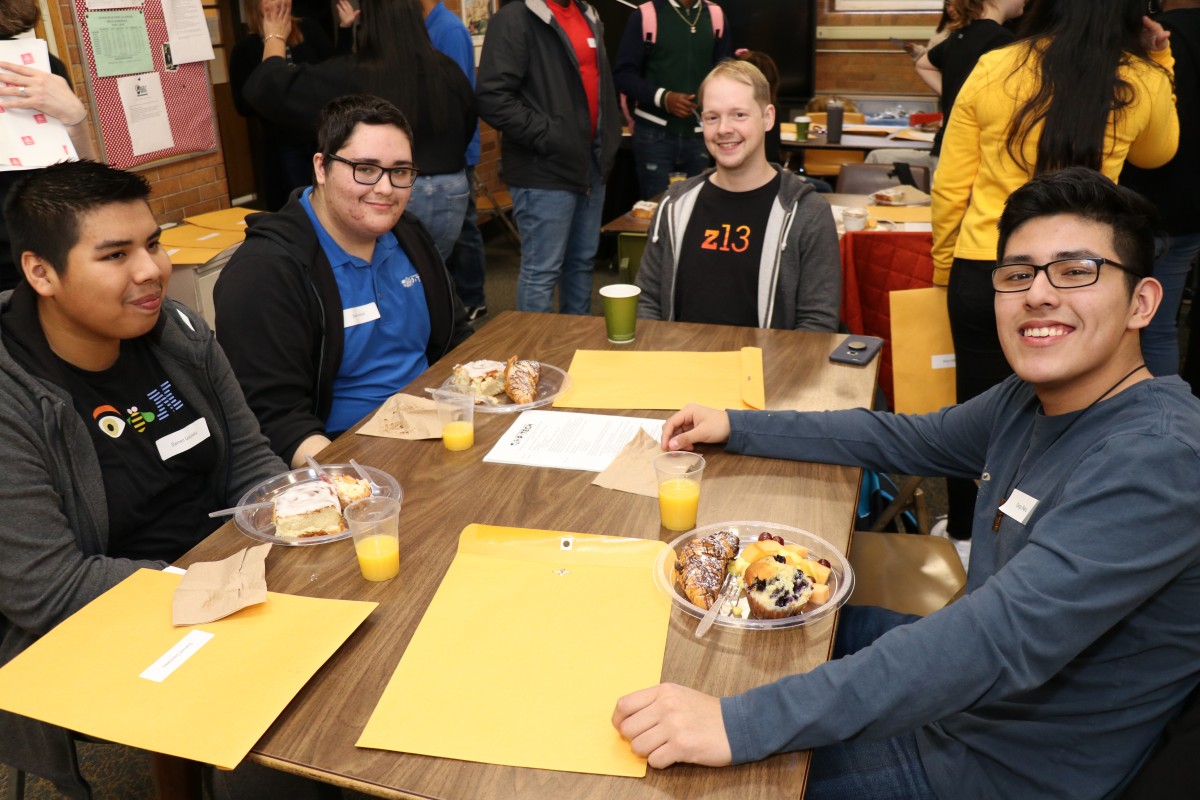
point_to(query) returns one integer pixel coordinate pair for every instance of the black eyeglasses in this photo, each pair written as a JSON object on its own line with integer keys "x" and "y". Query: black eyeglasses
{"x": 1066, "y": 273}
{"x": 369, "y": 174}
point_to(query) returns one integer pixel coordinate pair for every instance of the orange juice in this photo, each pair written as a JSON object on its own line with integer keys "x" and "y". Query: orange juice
{"x": 677, "y": 502}
{"x": 378, "y": 557}
{"x": 458, "y": 435}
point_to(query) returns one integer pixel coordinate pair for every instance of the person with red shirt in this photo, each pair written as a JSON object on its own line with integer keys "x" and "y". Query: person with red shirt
{"x": 545, "y": 83}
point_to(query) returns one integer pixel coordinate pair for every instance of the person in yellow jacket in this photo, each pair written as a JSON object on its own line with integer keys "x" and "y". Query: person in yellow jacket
{"x": 1089, "y": 84}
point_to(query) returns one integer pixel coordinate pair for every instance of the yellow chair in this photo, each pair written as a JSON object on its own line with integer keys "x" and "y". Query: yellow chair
{"x": 848, "y": 118}
{"x": 905, "y": 572}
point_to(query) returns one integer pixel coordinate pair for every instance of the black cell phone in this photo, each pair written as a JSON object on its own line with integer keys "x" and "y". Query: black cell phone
{"x": 856, "y": 350}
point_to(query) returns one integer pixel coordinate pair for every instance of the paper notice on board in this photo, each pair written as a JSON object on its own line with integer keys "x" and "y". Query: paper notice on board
{"x": 145, "y": 113}
{"x": 29, "y": 138}
{"x": 187, "y": 30}
{"x": 120, "y": 42}
{"x": 97, "y": 5}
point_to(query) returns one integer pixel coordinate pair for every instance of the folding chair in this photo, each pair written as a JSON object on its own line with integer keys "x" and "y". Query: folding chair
{"x": 498, "y": 203}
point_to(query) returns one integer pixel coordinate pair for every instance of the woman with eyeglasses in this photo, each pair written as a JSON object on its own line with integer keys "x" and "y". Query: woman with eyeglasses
{"x": 1088, "y": 84}
{"x": 394, "y": 60}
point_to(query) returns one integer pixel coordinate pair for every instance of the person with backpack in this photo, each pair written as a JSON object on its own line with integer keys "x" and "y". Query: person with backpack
{"x": 667, "y": 49}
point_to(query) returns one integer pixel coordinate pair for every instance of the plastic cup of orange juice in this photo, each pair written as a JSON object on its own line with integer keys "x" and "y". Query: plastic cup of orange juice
{"x": 375, "y": 524}
{"x": 456, "y": 415}
{"x": 679, "y": 476}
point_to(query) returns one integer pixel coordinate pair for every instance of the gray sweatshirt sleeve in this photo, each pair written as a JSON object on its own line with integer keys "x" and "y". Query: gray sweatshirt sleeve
{"x": 812, "y": 248}
{"x": 656, "y": 269}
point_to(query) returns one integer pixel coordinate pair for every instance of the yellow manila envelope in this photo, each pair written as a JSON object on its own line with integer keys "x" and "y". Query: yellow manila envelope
{"x": 900, "y": 213}
{"x": 206, "y": 238}
{"x": 205, "y": 692}
{"x": 227, "y": 219}
{"x": 665, "y": 379}
{"x": 923, "y": 366}
{"x": 190, "y": 255}
{"x": 521, "y": 657}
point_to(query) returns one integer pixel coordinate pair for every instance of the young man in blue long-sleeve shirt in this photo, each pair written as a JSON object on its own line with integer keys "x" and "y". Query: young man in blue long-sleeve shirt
{"x": 1079, "y": 635}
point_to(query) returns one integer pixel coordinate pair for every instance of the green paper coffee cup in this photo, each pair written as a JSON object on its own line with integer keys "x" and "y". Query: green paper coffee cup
{"x": 620, "y": 311}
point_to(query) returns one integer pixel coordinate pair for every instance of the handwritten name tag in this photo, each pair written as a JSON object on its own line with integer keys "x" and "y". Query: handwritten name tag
{"x": 183, "y": 440}
{"x": 1019, "y": 506}
{"x": 359, "y": 315}
{"x": 174, "y": 658}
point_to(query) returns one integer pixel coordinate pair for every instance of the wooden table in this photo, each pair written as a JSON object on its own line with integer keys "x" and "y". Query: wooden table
{"x": 853, "y": 141}
{"x": 444, "y": 492}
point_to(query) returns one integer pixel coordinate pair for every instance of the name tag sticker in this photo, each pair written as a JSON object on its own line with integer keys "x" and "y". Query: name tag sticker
{"x": 183, "y": 440}
{"x": 174, "y": 658}
{"x": 1019, "y": 506}
{"x": 359, "y": 315}
{"x": 591, "y": 42}
{"x": 945, "y": 361}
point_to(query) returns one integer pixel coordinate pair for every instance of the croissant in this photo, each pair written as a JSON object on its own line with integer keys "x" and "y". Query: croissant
{"x": 521, "y": 380}
{"x": 701, "y": 566}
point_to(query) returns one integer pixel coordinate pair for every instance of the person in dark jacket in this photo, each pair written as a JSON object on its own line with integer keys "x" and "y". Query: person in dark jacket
{"x": 544, "y": 82}
{"x": 340, "y": 299}
{"x": 121, "y": 424}
{"x": 659, "y": 80}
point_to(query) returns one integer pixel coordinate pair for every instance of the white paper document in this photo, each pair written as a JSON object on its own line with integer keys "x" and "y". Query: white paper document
{"x": 105, "y": 5}
{"x": 145, "y": 112}
{"x": 187, "y": 30}
{"x": 29, "y": 138}
{"x": 568, "y": 440}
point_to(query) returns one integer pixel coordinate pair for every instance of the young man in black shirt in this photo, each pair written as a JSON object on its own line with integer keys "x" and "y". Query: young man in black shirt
{"x": 121, "y": 424}
{"x": 746, "y": 244}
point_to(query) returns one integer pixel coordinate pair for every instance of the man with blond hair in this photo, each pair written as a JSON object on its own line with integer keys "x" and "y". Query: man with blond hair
{"x": 747, "y": 243}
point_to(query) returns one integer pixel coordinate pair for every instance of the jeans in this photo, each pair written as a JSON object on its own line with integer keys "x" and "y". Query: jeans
{"x": 888, "y": 769}
{"x": 440, "y": 201}
{"x": 658, "y": 154}
{"x": 1160, "y": 339}
{"x": 560, "y": 231}
{"x": 466, "y": 263}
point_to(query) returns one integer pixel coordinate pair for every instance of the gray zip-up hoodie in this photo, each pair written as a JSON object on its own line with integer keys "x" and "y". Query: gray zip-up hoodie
{"x": 54, "y": 527}
{"x": 799, "y": 275}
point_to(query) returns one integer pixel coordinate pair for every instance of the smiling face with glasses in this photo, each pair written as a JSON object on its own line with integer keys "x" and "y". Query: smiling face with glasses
{"x": 1067, "y": 317}
{"x": 353, "y": 201}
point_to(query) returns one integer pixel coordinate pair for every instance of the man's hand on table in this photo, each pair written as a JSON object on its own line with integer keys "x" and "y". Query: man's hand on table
{"x": 695, "y": 424}
{"x": 669, "y": 724}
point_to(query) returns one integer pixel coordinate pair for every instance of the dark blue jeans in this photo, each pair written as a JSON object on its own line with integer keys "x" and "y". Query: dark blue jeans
{"x": 887, "y": 769}
{"x": 658, "y": 154}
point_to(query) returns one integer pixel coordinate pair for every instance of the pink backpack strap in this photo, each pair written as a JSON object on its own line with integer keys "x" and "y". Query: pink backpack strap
{"x": 718, "y": 18}
{"x": 649, "y": 23}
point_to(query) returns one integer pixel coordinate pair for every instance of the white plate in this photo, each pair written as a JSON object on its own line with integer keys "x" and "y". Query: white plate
{"x": 552, "y": 382}
{"x": 259, "y": 523}
{"x": 841, "y": 580}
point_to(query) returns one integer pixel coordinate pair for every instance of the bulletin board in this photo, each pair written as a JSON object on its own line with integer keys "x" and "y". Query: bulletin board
{"x": 186, "y": 91}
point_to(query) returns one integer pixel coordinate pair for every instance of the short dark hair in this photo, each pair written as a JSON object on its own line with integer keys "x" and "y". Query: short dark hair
{"x": 1087, "y": 194}
{"x": 43, "y": 210}
{"x": 341, "y": 115}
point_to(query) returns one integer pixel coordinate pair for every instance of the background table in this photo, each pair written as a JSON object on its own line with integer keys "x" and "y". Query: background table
{"x": 444, "y": 492}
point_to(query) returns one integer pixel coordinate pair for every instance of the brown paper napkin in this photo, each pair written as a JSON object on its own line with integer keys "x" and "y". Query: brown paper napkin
{"x": 214, "y": 589}
{"x": 405, "y": 416}
{"x": 633, "y": 468}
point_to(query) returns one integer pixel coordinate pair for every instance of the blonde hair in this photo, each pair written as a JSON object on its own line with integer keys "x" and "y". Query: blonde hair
{"x": 743, "y": 72}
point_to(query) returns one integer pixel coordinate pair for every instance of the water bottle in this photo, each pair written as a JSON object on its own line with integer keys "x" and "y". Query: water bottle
{"x": 833, "y": 122}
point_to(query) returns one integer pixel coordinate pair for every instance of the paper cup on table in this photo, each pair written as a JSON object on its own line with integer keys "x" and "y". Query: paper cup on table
{"x": 802, "y": 125}
{"x": 855, "y": 219}
{"x": 620, "y": 311}
{"x": 679, "y": 476}
{"x": 456, "y": 415}
{"x": 375, "y": 524}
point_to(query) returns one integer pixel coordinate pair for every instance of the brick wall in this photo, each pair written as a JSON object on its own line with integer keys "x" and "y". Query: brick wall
{"x": 885, "y": 69}
{"x": 185, "y": 187}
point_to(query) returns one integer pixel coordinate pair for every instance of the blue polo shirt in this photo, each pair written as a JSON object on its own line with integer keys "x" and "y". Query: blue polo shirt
{"x": 451, "y": 37}
{"x": 386, "y": 323}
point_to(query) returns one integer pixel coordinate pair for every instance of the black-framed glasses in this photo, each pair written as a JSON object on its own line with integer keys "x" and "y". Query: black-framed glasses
{"x": 369, "y": 174}
{"x": 1066, "y": 273}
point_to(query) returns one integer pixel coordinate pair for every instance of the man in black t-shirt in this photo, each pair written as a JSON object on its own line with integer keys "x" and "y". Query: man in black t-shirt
{"x": 747, "y": 244}
{"x": 121, "y": 424}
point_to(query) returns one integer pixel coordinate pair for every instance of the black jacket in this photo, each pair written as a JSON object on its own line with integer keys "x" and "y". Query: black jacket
{"x": 529, "y": 89}
{"x": 272, "y": 302}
